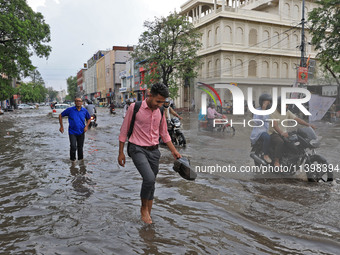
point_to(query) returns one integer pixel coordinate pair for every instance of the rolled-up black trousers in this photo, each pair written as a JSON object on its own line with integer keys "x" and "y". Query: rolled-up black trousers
{"x": 76, "y": 144}
{"x": 277, "y": 144}
{"x": 147, "y": 164}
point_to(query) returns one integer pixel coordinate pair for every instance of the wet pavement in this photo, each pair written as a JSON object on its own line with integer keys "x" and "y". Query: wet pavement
{"x": 51, "y": 206}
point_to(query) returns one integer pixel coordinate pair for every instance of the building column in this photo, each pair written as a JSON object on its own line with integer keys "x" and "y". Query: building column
{"x": 199, "y": 11}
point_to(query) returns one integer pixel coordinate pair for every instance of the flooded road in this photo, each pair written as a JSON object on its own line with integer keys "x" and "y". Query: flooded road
{"x": 51, "y": 206}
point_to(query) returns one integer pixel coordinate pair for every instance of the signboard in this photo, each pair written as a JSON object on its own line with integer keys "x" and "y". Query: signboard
{"x": 303, "y": 75}
{"x": 318, "y": 106}
{"x": 98, "y": 94}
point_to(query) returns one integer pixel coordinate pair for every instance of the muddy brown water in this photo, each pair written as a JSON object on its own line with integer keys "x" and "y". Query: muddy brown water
{"x": 51, "y": 206}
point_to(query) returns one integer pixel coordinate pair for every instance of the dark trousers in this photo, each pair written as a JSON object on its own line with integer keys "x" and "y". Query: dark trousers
{"x": 277, "y": 143}
{"x": 76, "y": 144}
{"x": 147, "y": 164}
{"x": 265, "y": 140}
{"x": 210, "y": 124}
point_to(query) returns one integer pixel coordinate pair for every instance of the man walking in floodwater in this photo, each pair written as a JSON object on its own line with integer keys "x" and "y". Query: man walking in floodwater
{"x": 149, "y": 124}
{"x": 77, "y": 127}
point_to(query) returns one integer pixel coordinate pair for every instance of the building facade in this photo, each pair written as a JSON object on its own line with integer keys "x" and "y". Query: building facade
{"x": 250, "y": 43}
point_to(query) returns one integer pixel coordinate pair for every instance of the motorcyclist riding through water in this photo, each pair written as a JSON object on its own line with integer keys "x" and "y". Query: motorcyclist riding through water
{"x": 260, "y": 133}
{"x": 174, "y": 124}
{"x": 91, "y": 108}
{"x": 292, "y": 152}
{"x": 277, "y": 131}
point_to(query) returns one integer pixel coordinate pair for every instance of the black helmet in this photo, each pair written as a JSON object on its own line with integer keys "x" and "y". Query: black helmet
{"x": 166, "y": 103}
{"x": 265, "y": 97}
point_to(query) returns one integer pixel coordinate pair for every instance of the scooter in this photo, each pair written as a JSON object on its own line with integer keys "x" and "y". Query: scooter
{"x": 298, "y": 155}
{"x": 93, "y": 122}
{"x": 223, "y": 125}
{"x": 176, "y": 135}
{"x": 175, "y": 132}
{"x": 112, "y": 111}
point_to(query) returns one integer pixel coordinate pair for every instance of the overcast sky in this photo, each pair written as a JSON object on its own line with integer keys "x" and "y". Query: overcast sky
{"x": 79, "y": 28}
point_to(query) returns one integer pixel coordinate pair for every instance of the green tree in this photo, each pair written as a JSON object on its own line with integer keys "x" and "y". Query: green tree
{"x": 72, "y": 86}
{"x": 52, "y": 94}
{"x": 325, "y": 30}
{"x": 22, "y": 33}
{"x": 30, "y": 92}
{"x": 169, "y": 48}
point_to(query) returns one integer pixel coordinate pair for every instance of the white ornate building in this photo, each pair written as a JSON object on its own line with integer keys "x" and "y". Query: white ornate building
{"x": 253, "y": 43}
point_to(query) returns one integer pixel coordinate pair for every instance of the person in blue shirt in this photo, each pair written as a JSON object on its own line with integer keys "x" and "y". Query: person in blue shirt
{"x": 77, "y": 127}
{"x": 260, "y": 133}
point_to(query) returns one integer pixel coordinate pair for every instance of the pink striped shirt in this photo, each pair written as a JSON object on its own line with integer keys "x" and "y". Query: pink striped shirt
{"x": 147, "y": 128}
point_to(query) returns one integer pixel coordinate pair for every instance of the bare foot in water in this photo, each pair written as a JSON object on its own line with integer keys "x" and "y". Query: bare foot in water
{"x": 145, "y": 215}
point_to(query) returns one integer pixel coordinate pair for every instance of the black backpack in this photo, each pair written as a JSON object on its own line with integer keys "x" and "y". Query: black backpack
{"x": 132, "y": 123}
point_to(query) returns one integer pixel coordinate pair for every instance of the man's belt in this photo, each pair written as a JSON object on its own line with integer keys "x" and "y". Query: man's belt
{"x": 150, "y": 148}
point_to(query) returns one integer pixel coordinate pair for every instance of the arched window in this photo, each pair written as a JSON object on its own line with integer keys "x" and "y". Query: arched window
{"x": 217, "y": 36}
{"x": 286, "y": 10}
{"x": 228, "y": 34}
{"x": 239, "y": 35}
{"x": 285, "y": 71}
{"x": 252, "y": 68}
{"x": 209, "y": 39}
{"x": 296, "y": 12}
{"x": 295, "y": 42}
{"x": 209, "y": 69}
{"x": 238, "y": 69}
{"x": 252, "y": 37}
{"x": 275, "y": 72}
{"x": 202, "y": 70}
{"x": 265, "y": 39}
{"x": 227, "y": 67}
{"x": 286, "y": 42}
{"x": 265, "y": 69}
{"x": 275, "y": 40}
{"x": 217, "y": 68}
{"x": 204, "y": 44}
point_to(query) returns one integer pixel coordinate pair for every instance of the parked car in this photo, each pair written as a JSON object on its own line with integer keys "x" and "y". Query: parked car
{"x": 59, "y": 108}
{"x": 25, "y": 106}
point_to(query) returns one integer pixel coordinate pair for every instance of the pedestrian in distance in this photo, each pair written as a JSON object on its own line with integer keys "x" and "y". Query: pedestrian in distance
{"x": 148, "y": 124}
{"x": 79, "y": 119}
{"x": 129, "y": 101}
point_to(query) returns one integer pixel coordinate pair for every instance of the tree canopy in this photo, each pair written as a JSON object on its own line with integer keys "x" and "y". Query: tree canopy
{"x": 32, "y": 92}
{"x": 71, "y": 87}
{"x": 325, "y": 30}
{"x": 23, "y": 33}
{"x": 168, "y": 48}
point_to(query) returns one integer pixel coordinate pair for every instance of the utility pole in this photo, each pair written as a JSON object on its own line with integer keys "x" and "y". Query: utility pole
{"x": 302, "y": 47}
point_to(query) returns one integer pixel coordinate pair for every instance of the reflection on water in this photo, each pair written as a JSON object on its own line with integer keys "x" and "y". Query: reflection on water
{"x": 81, "y": 183}
{"x": 49, "y": 205}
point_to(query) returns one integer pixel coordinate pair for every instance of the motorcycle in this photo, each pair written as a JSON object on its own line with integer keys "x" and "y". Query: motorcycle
{"x": 112, "y": 111}
{"x": 223, "y": 125}
{"x": 174, "y": 129}
{"x": 220, "y": 125}
{"x": 93, "y": 122}
{"x": 298, "y": 154}
{"x": 175, "y": 132}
